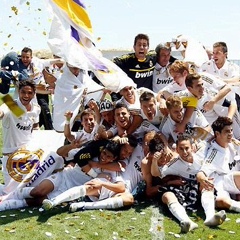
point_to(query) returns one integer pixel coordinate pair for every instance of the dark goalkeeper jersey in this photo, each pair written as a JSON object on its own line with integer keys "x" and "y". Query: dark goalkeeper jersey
{"x": 140, "y": 72}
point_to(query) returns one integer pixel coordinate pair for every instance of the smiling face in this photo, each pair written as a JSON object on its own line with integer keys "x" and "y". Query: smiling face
{"x": 122, "y": 117}
{"x": 141, "y": 49}
{"x": 26, "y": 94}
{"x": 106, "y": 156}
{"x": 176, "y": 113}
{"x": 26, "y": 58}
{"x": 184, "y": 149}
{"x": 149, "y": 108}
{"x": 129, "y": 94}
{"x": 88, "y": 122}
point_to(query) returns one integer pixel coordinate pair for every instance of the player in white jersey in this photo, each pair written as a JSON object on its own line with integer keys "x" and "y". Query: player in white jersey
{"x": 176, "y": 112}
{"x": 123, "y": 121}
{"x": 130, "y": 97}
{"x": 101, "y": 188}
{"x": 222, "y": 68}
{"x": 133, "y": 177}
{"x": 89, "y": 124}
{"x": 222, "y": 165}
{"x": 184, "y": 196}
{"x": 106, "y": 113}
{"x": 161, "y": 75}
{"x": 150, "y": 108}
{"x": 17, "y": 131}
{"x": 223, "y": 107}
{"x": 179, "y": 71}
{"x": 70, "y": 177}
{"x": 70, "y": 92}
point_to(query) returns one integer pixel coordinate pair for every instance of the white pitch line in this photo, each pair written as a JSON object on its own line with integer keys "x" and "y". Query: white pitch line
{"x": 157, "y": 224}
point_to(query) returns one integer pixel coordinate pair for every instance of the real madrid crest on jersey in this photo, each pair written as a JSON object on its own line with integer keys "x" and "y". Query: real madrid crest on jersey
{"x": 150, "y": 63}
{"x": 22, "y": 163}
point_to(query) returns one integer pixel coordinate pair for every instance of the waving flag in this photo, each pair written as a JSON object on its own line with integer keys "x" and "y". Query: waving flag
{"x": 71, "y": 37}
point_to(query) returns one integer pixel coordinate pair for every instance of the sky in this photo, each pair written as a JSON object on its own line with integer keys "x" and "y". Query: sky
{"x": 115, "y": 23}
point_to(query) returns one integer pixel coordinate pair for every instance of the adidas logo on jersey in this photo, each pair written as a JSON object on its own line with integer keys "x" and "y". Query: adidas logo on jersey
{"x": 137, "y": 66}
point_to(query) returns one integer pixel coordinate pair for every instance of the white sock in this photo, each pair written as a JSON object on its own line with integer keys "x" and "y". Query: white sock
{"x": 19, "y": 193}
{"x": 109, "y": 203}
{"x": 235, "y": 206}
{"x": 70, "y": 194}
{"x": 179, "y": 212}
{"x": 12, "y": 204}
{"x": 208, "y": 203}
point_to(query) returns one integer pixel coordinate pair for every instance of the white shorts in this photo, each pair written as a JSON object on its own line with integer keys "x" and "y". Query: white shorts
{"x": 225, "y": 185}
{"x": 104, "y": 193}
{"x": 59, "y": 184}
{"x": 66, "y": 179}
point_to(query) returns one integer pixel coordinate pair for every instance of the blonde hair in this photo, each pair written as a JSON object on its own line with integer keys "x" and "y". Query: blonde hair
{"x": 173, "y": 101}
{"x": 179, "y": 67}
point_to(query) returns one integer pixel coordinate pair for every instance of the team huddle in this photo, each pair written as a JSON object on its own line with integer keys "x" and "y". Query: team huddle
{"x": 170, "y": 133}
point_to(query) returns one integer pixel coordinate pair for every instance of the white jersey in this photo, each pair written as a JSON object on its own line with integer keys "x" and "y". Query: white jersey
{"x": 212, "y": 82}
{"x": 173, "y": 88}
{"x": 81, "y": 135}
{"x": 139, "y": 133}
{"x": 17, "y": 132}
{"x": 156, "y": 121}
{"x": 219, "y": 109}
{"x": 161, "y": 78}
{"x": 69, "y": 92}
{"x": 179, "y": 167}
{"x": 211, "y": 115}
{"x": 131, "y": 106}
{"x": 222, "y": 161}
{"x": 228, "y": 70}
{"x": 133, "y": 173}
{"x": 168, "y": 126}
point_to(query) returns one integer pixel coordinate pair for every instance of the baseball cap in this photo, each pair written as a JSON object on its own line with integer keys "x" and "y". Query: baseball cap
{"x": 105, "y": 105}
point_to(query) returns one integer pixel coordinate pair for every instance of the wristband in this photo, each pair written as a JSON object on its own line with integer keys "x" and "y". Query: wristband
{"x": 67, "y": 122}
{"x": 92, "y": 173}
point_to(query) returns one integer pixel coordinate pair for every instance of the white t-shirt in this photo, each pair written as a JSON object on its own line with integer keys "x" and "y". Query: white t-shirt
{"x": 17, "y": 132}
